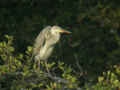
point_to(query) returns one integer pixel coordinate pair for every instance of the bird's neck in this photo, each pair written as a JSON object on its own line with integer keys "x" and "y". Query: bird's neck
{"x": 55, "y": 38}
{"x": 52, "y": 41}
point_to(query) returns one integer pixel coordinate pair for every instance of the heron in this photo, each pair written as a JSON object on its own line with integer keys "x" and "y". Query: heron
{"x": 46, "y": 41}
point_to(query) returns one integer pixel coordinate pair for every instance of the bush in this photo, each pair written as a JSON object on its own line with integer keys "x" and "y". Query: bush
{"x": 18, "y": 72}
{"x": 108, "y": 81}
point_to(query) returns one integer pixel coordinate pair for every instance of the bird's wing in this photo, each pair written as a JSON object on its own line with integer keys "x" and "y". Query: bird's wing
{"x": 40, "y": 40}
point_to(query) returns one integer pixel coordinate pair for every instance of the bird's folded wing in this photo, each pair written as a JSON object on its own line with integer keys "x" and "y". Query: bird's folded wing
{"x": 40, "y": 40}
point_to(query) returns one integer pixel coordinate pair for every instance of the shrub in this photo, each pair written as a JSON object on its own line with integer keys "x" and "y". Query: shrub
{"x": 18, "y": 72}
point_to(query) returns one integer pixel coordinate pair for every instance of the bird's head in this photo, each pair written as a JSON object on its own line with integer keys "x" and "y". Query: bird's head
{"x": 58, "y": 30}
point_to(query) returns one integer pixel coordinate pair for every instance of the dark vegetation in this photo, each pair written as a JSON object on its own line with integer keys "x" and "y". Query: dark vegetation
{"x": 88, "y": 59}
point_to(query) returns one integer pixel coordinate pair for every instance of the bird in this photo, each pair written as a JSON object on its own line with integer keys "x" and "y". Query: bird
{"x": 46, "y": 41}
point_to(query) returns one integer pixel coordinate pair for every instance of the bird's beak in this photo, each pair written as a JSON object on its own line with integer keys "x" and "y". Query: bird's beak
{"x": 64, "y": 31}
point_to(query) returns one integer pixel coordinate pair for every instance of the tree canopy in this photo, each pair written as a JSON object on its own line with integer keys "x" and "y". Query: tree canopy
{"x": 92, "y": 49}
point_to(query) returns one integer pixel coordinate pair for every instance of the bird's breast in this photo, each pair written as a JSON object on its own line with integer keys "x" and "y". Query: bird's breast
{"x": 45, "y": 52}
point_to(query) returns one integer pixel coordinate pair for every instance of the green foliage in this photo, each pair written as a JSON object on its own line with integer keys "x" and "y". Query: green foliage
{"x": 108, "y": 81}
{"x": 94, "y": 43}
{"x": 18, "y": 72}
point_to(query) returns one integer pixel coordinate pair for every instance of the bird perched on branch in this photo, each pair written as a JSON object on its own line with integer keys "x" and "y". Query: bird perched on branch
{"x": 46, "y": 41}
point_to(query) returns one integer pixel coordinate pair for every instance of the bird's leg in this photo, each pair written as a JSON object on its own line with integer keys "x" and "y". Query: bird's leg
{"x": 39, "y": 65}
{"x": 46, "y": 66}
